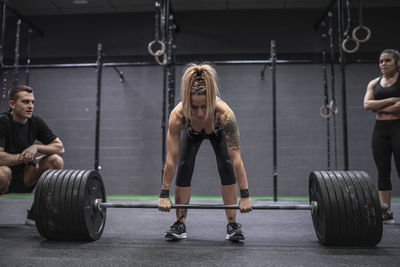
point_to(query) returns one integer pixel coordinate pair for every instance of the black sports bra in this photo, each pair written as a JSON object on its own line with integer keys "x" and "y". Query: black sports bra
{"x": 387, "y": 92}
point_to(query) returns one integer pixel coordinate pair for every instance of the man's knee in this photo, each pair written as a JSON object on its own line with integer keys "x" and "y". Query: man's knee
{"x": 5, "y": 179}
{"x": 55, "y": 161}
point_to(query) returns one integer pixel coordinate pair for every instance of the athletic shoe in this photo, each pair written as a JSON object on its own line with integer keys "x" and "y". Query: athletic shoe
{"x": 30, "y": 217}
{"x": 234, "y": 232}
{"x": 177, "y": 231}
{"x": 387, "y": 217}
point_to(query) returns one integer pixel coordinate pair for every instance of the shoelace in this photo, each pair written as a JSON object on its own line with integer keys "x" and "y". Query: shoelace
{"x": 236, "y": 226}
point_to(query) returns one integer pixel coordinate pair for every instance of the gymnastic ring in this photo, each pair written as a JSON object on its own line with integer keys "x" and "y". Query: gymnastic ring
{"x": 356, "y": 29}
{"x": 158, "y": 52}
{"x": 164, "y": 61}
{"x": 345, "y": 49}
{"x": 333, "y": 107}
{"x": 328, "y": 112}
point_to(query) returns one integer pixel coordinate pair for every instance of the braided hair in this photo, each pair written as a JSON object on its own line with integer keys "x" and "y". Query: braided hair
{"x": 199, "y": 79}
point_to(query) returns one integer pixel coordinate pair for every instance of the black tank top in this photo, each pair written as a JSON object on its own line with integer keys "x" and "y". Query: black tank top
{"x": 387, "y": 92}
{"x": 217, "y": 129}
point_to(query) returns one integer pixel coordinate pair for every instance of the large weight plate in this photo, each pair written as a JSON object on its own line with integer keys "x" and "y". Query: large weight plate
{"x": 346, "y": 191}
{"x": 64, "y": 200}
{"x": 375, "y": 210}
{"x": 322, "y": 219}
{"x": 339, "y": 210}
{"x": 93, "y": 220}
{"x": 348, "y": 212}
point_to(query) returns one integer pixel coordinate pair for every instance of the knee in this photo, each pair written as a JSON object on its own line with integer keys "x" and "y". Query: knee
{"x": 5, "y": 179}
{"x": 384, "y": 184}
{"x": 55, "y": 162}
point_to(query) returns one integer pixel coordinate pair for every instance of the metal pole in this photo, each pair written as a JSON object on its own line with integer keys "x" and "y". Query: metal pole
{"x": 275, "y": 162}
{"x": 98, "y": 105}
{"x": 151, "y": 63}
{"x": 3, "y": 71}
{"x": 3, "y": 33}
{"x": 164, "y": 92}
{"x": 343, "y": 77}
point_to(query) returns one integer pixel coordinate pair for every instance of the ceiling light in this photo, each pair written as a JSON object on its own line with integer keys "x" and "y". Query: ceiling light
{"x": 80, "y": 2}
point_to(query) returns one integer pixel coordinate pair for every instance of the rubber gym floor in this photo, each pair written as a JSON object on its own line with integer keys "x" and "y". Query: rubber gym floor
{"x": 134, "y": 237}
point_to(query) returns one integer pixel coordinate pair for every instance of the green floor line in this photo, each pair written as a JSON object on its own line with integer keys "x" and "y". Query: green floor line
{"x": 154, "y": 197}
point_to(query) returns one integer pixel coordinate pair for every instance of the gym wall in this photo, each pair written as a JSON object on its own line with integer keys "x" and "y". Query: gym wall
{"x": 130, "y": 152}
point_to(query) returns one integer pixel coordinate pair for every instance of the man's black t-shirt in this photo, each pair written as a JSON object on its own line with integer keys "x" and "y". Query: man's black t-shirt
{"x": 16, "y": 137}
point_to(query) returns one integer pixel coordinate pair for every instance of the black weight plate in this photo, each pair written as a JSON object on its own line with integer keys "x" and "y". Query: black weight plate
{"x": 348, "y": 210}
{"x": 322, "y": 217}
{"x": 41, "y": 213}
{"x": 362, "y": 229}
{"x": 377, "y": 207}
{"x": 355, "y": 209}
{"x": 38, "y": 204}
{"x": 370, "y": 212}
{"x": 58, "y": 205}
{"x": 94, "y": 218}
{"x": 340, "y": 211}
{"x": 64, "y": 212}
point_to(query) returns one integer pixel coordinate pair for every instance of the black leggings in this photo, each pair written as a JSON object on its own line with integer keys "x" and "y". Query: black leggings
{"x": 189, "y": 146}
{"x": 385, "y": 141}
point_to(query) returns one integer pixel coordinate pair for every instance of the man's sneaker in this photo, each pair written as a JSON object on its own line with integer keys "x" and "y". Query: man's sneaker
{"x": 387, "y": 217}
{"x": 30, "y": 217}
{"x": 234, "y": 232}
{"x": 176, "y": 231}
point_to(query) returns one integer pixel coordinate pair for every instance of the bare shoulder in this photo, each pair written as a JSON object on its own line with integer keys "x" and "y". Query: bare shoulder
{"x": 373, "y": 83}
{"x": 222, "y": 108}
{"x": 177, "y": 120}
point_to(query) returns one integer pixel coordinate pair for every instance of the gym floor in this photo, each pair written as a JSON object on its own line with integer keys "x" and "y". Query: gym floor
{"x": 133, "y": 237}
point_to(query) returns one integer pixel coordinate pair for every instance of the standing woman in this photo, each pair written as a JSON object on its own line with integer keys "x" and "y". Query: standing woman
{"x": 383, "y": 98}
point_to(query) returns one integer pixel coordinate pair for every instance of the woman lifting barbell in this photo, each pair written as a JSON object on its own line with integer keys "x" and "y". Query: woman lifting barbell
{"x": 203, "y": 115}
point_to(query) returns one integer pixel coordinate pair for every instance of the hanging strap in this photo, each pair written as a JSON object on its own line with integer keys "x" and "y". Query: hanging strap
{"x": 360, "y": 28}
{"x": 349, "y": 44}
{"x": 324, "y": 111}
{"x": 28, "y": 56}
{"x": 16, "y": 58}
{"x": 158, "y": 53}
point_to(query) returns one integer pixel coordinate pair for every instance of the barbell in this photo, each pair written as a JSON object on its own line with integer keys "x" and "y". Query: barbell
{"x": 345, "y": 208}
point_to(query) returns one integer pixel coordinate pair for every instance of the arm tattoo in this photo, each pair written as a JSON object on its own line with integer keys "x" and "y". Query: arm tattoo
{"x": 230, "y": 127}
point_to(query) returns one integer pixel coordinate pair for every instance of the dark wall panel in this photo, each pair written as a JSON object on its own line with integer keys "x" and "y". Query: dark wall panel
{"x": 131, "y": 125}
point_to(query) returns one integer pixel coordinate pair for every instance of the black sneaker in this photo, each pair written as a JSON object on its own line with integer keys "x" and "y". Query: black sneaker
{"x": 176, "y": 231}
{"x": 387, "y": 217}
{"x": 30, "y": 217}
{"x": 234, "y": 232}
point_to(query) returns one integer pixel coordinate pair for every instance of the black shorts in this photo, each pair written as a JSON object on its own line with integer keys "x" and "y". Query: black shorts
{"x": 17, "y": 180}
{"x": 189, "y": 146}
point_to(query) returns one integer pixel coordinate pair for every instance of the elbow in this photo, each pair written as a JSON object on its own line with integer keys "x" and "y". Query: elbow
{"x": 61, "y": 150}
{"x": 367, "y": 106}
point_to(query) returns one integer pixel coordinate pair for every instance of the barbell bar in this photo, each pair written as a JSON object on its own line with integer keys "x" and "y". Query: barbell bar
{"x": 313, "y": 206}
{"x": 99, "y": 205}
{"x": 345, "y": 208}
